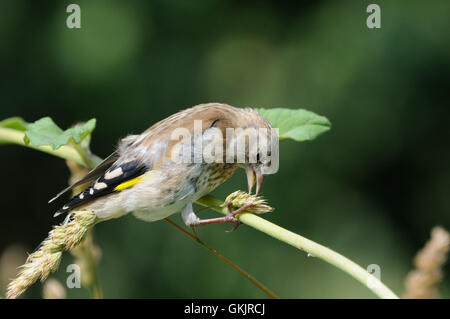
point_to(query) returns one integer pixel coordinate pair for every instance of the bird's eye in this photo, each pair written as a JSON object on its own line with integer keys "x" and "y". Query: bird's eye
{"x": 214, "y": 123}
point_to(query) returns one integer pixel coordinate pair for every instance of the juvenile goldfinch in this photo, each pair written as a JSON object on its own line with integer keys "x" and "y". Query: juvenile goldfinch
{"x": 165, "y": 169}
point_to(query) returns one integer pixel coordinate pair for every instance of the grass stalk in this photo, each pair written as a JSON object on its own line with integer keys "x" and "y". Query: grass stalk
{"x": 306, "y": 245}
{"x": 273, "y": 230}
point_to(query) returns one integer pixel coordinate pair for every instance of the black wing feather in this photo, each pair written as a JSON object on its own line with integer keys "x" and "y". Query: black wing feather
{"x": 127, "y": 170}
{"x": 92, "y": 175}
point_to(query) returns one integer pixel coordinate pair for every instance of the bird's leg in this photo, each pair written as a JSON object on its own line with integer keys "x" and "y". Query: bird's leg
{"x": 192, "y": 220}
{"x": 189, "y": 216}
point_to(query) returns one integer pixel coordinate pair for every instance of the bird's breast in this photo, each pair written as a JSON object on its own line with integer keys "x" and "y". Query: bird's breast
{"x": 168, "y": 189}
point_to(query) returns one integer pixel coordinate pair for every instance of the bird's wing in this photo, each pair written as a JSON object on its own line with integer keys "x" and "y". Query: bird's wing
{"x": 118, "y": 171}
{"x": 119, "y": 176}
{"x": 92, "y": 175}
{"x": 101, "y": 168}
{"x": 138, "y": 154}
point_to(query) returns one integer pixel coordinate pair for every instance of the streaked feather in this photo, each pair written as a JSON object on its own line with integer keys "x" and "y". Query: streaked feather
{"x": 138, "y": 154}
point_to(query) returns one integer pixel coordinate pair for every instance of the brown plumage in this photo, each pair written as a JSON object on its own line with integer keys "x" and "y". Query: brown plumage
{"x": 142, "y": 177}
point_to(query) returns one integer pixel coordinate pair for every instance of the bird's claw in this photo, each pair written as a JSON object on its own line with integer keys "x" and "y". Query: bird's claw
{"x": 235, "y": 226}
{"x": 231, "y": 215}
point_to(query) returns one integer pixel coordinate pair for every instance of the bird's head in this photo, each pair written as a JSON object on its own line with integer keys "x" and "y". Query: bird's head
{"x": 261, "y": 149}
{"x": 241, "y": 136}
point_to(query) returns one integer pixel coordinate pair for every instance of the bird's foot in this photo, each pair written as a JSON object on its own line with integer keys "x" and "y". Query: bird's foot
{"x": 230, "y": 217}
{"x": 232, "y": 214}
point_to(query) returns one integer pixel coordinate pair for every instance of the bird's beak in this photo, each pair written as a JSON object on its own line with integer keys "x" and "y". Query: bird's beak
{"x": 252, "y": 177}
{"x": 259, "y": 181}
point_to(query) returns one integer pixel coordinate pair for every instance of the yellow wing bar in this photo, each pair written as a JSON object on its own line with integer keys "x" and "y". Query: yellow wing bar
{"x": 128, "y": 183}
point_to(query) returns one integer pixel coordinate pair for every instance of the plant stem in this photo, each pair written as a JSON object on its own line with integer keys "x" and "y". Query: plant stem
{"x": 302, "y": 243}
{"x": 87, "y": 255}
{"x": 226, "y": 260}
{"x": 90, "y": 257}
{"x": 77, "y": 154}
{"x": 275, "y": 231}
{"x": 66, "y": 152}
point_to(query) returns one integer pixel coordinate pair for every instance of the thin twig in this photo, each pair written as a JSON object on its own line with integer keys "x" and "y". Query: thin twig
{"x": 302, "y": 243}
{"x": 225, "y": 259}
{"x": 275, "y": 231}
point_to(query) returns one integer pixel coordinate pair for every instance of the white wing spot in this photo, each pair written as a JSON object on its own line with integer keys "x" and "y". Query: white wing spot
{"x": 100, "y": 186}
{"x": 65, "y": 207}
{"x": 91, "y": 191}
{"x": 115, "y": 173}
{"x": 81, "y": 196}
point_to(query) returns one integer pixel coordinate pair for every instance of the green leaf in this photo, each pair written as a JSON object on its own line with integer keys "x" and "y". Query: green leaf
{"x": 297, "y": 124}
{"x": 46, "y": 132}
{"x": 15, "y": 123}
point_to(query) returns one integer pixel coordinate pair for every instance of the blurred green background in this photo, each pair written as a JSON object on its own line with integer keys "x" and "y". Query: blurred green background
{"x": 371, "y": 188}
